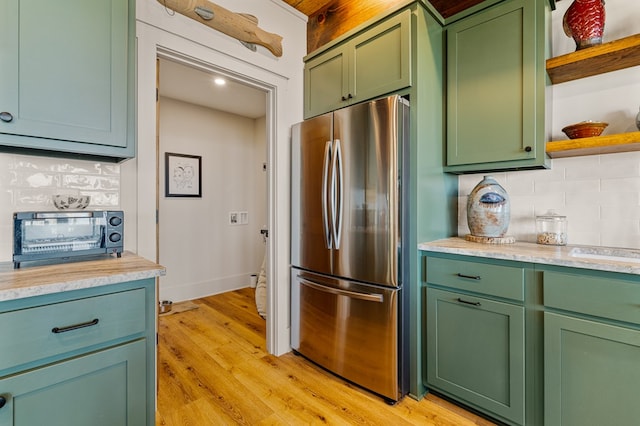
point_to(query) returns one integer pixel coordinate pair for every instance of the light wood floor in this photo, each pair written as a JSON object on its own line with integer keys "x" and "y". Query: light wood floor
{"x": 213, "y": 369}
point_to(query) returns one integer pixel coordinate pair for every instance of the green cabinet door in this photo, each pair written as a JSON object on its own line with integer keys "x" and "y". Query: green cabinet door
{"x": 381, "y": 59}
{"x": 368, "y": 65}
{"x": 326, "y": 82}
{"x": 591, "y": 372}
{"x": 496, "y": 88}
{"x": 475, "y": 352}
{"x": 67, "y": 69}
{"x": 105, "y": 388}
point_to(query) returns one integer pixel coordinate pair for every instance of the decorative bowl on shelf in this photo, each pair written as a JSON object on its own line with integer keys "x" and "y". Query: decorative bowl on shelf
{"x": 585, "y": 129}
{"x": 71, "y": 202}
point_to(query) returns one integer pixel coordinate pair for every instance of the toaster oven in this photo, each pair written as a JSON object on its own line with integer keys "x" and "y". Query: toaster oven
{"x": 64, "y": 235}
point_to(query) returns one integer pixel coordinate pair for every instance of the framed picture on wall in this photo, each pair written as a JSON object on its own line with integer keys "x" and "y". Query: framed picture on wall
{"x": 183, "y": 175}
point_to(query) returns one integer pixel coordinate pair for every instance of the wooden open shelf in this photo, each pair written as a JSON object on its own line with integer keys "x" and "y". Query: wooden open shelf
{"x": 623, "y": 142}
{"x": 606, "y": 57}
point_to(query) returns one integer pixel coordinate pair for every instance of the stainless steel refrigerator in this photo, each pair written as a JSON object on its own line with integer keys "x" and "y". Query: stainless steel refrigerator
{"x": 348, "y": 303}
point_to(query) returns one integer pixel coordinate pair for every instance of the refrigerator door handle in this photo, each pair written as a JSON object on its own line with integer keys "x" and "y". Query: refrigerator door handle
{"x": 369, "y": 297}
{"x": 337, "y": 194}
{"x": 325, "y": 178}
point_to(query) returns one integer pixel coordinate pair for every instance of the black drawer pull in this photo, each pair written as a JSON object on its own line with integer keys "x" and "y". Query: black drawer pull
{"x": 471, "y": 277}
{"x": 3, "y": 401}
{"x": 468, "y": 303}
{"x": 75, "y": 327}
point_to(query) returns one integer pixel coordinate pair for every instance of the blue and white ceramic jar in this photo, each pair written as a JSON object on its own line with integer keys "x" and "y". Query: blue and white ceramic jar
{"x": 488, "y": 209}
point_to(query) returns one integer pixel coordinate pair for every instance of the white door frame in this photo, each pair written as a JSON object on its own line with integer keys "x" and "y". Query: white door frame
{"x": 154, "y": 43}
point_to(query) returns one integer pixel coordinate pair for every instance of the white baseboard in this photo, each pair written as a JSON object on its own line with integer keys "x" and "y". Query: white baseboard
{"x": 197, "y": 290}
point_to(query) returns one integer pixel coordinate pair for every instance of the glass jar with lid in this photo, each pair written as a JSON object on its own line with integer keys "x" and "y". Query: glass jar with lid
{"x": 551, "y": 229}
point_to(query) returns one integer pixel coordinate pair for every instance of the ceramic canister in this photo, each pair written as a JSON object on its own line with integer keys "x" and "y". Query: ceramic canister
{"x": 584, "y": 22}
{"x": 488, "y": 209}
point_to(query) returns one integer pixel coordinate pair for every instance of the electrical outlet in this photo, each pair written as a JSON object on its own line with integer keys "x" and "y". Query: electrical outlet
{"x": 233, "y": 218}
{"x": 243, "y": 218}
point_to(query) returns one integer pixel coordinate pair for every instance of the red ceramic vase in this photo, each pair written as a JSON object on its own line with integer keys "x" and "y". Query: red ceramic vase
{"x": 584, "y": 21}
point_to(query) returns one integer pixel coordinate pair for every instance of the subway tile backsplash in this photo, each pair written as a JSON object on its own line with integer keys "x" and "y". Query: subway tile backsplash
{"x": 29, "y": 182}
{"x": 599, "y": 194}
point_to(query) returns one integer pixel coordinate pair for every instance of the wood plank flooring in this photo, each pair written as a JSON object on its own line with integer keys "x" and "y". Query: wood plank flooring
{"x": 213, "y": 369}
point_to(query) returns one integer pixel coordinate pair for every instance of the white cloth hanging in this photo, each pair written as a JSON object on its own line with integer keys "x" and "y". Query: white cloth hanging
{"x": 261, "y": 290}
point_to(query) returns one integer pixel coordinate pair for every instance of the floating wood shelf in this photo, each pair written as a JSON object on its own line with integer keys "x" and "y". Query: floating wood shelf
{"x": 606, "y": 57}
{"x": 623, "y": 142}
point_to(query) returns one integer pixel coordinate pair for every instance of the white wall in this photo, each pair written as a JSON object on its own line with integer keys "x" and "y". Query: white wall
{"x": 202, "y": 252}
{"x": 600, "y": 194}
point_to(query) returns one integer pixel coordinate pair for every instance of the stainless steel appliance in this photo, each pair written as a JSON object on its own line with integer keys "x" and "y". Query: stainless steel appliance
{"x": 346, "y": 241}
{"x": 40, "y": 236}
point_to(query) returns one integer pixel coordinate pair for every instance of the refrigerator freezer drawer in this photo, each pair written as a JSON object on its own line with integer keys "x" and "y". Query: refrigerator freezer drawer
{"x": 349, "y": 328}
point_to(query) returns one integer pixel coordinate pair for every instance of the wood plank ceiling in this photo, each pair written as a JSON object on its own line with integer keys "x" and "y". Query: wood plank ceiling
{"x": 328, "y": 19}
{"x": 310, "y": 8}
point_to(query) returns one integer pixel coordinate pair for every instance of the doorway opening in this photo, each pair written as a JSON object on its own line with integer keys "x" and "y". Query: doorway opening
{"x": 214, "y": 242}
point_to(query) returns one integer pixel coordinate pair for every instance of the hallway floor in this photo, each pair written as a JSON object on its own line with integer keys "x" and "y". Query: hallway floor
{"x": 213, "y": 369}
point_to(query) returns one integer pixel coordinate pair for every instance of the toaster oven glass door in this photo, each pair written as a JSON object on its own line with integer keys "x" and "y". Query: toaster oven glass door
{"x": 62, "y": 234}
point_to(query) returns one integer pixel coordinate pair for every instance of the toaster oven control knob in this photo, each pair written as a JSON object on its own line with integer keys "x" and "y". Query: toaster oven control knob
{"x": 115, "y": 221}
{"x": 115, "y": 237}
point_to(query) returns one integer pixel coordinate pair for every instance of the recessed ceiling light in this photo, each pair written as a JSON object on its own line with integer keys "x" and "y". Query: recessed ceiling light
{"x": 219, "y": 81}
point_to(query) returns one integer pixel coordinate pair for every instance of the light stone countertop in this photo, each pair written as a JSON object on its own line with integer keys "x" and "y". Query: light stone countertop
{"x": 29, "y": 281}
{"x": 598, "y": 258}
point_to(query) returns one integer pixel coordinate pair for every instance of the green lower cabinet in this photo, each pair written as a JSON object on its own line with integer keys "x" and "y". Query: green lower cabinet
{"x": 105, "y": 388}
{"x": 475, "y": 352}
{"x": 591, "y": 371}
{"x": 80, "y": 357}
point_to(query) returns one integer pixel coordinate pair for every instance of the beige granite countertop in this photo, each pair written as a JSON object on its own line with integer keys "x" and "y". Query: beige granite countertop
{"x": 31, "y": 281}
{"x": 542, "y": 254}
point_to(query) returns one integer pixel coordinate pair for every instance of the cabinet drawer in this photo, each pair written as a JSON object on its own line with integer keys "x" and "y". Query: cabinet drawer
{"x": 494, "y": 280}
{"x": 49, "y": 330}
{"x": 612, "y": 298}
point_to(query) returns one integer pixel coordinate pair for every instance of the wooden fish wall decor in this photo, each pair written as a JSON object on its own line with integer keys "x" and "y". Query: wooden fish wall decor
{"x": 241, "y": 26}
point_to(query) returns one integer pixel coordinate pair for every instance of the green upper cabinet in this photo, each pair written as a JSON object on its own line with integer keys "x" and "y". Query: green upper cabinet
{"x": 67, "y": 76}
{"x": 370, "y": 64}
{"x": 496, "y": 88}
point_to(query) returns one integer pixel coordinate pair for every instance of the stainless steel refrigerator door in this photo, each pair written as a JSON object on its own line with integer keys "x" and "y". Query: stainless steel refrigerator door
{"x": 367, "y": 163}
{"x": 348, "y": 328}
{"x": 311, "y": 243}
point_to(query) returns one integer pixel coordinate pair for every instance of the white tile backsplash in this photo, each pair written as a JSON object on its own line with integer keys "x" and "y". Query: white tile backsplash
{"x": 600, "y": 195}
{"x": 28, "y": 183}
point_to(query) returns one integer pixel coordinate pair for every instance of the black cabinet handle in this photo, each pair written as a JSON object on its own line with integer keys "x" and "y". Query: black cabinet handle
{"x": 527, "y": 148}
{"x": 468, "y": 303}
{"x": 3, "y": 401}
{"x": 58, "y": 330}
{"x": 6, "y": 117}
{"x": 471, "y": 277}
